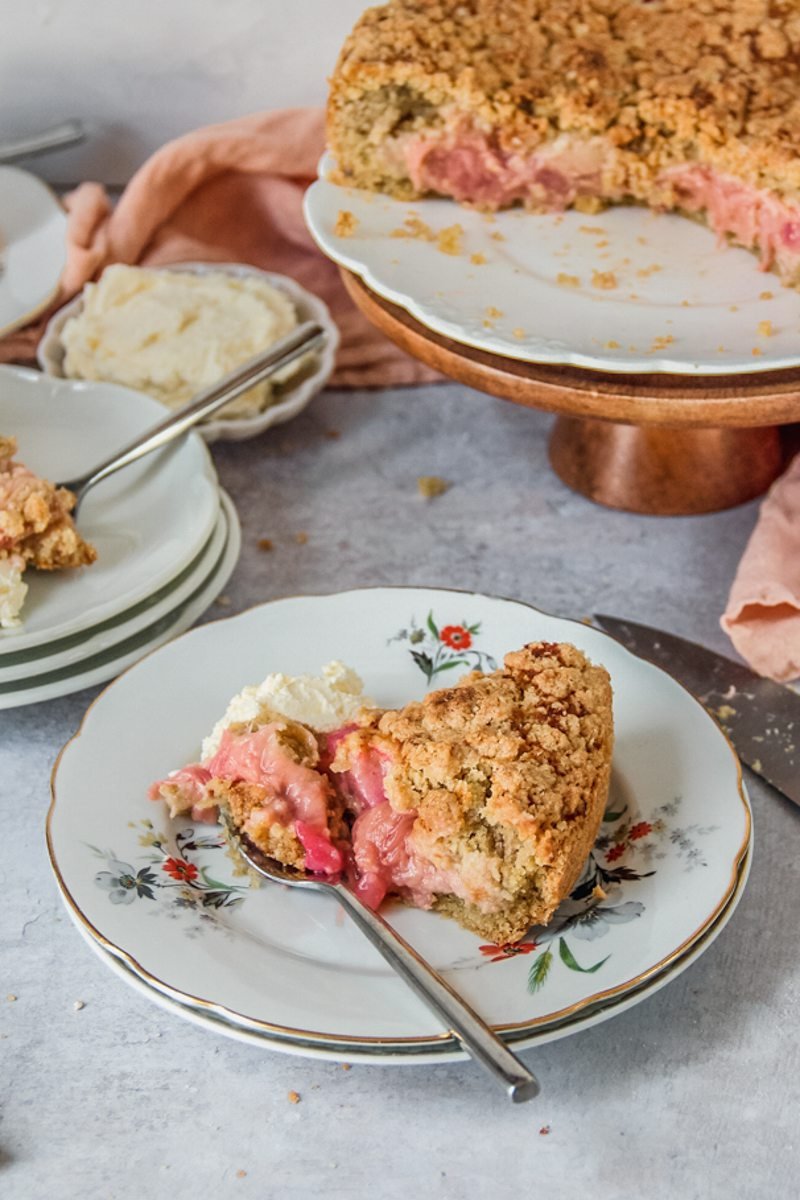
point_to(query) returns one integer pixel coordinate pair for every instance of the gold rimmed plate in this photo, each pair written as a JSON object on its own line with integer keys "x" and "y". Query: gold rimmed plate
{"x": 161, "y": 897}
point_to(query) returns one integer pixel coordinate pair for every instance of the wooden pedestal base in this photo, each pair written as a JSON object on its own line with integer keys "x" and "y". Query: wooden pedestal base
{"x": 670, "y": 472}
{"x": 661, "y": 444}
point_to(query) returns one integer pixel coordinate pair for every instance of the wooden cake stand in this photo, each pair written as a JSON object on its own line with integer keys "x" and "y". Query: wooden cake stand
{"x": 661, "y": 444}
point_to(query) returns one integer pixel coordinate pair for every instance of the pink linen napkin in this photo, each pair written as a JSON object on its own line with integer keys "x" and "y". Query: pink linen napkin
{"x": 762, "y": 617}
{"x": 226, "y": 193}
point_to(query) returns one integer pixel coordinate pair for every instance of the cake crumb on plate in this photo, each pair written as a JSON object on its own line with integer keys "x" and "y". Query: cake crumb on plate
{"x": 346, "y": 223}
{"x": 449, "y": 240}
{"x": 432, "y": 485}
{"x": 414, "y": 227}
{"x": 293, "y": 1097}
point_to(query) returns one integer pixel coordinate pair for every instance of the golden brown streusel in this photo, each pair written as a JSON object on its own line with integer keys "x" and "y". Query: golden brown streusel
{"x": 665, "y": 83}
{"x": 36, "y": 519}
{"x": 507, "y": 775}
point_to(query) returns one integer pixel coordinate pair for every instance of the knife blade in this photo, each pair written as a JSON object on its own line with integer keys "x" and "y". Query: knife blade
{"x": 761, "y": 717}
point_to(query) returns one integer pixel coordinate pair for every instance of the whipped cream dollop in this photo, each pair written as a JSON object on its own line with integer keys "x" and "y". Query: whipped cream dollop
{"x": 324, "y": 702}
{"x": 13, "y": 590}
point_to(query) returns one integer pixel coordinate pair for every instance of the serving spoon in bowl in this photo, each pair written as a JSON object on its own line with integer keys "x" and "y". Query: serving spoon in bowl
{"x": 477, "y": 1038}
{"x": 302, "y": 340}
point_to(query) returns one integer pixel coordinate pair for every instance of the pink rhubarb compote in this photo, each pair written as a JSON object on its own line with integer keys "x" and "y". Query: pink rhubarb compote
{"x": 381, "y": 857}
{"x": 468, "y": 164}
{"x": 295, "y": 795}
{"x": 752, "y": 216}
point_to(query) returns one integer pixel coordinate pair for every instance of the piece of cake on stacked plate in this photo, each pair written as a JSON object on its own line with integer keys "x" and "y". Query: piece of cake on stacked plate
{"x": 36, "y": 530}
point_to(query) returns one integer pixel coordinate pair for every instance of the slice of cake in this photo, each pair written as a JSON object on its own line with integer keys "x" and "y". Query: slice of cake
{"x": 559, "y": 103}
{"x": 481, "y": 801}
{"x": 36, "y": 530}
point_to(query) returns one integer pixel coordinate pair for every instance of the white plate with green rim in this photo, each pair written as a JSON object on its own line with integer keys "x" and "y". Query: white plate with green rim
{"x": 161, "y": 896}
{"x": 147, "y": 522}
{"x": 72, "y": 651}
{"x": 33, "y": 247}
{"x": 104, "y": 665}
{"x": 208, "y": 1018}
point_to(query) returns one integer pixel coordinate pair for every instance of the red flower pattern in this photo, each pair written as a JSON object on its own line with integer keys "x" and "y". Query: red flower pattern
{"x": 616, "y": 852}
{"x": 180, "y": 869}
{"x": 498, "y": 953}
{"x": 456, "y": 637}
{"x": 640, "y": 830}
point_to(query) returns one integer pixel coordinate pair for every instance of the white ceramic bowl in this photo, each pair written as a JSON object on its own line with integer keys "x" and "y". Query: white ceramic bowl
{"x": 292, "y": 396}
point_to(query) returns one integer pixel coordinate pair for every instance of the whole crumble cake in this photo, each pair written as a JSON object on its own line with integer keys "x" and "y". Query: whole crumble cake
{"x": 481, "y": 800}
{"x": 36, "y": 530}
{"x": 556, "y": 103}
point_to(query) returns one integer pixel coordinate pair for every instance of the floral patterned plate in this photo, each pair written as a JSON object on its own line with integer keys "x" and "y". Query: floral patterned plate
{"x": 163, "y": 898}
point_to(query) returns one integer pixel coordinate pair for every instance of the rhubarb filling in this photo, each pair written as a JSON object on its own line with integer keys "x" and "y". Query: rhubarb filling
{"x": 275, "y": 788}
{"x": 469, "y": 165}
{"x": 268, "y": 778}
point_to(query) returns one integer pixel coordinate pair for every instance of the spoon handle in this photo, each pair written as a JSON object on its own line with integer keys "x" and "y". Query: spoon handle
{"x": 472, "y": 1031}
{"x": 65, "y": 134}
{"x": 306, "y": 337}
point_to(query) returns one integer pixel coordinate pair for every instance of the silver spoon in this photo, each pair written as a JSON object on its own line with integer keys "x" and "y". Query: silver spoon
{"x": 472, "y": 1031}
{"x": 68, "y": 133}
{"x": 305, "y": 338}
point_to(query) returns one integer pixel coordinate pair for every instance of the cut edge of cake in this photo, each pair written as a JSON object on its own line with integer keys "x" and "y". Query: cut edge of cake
{"x": 36, "y": 530}
{"x": 554, "y": 105}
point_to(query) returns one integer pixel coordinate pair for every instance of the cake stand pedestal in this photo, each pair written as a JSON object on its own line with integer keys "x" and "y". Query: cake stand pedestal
{"x": 660, "y": 444}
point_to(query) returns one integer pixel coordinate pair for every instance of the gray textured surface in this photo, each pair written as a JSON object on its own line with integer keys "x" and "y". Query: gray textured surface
{"x": 693, "y": 1093}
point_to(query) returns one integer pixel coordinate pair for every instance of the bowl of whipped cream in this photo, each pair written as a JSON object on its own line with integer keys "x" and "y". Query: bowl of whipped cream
{"x": 172, "y": 331}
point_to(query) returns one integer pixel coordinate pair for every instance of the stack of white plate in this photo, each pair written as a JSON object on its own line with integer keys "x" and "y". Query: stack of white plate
{"x": 167, "y": 538}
